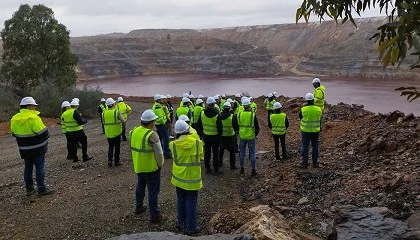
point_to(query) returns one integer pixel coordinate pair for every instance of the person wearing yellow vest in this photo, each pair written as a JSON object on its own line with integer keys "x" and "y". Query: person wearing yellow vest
{"x": 184, "y": 109}
{"x": 74, "y": 129}
{"x": 253, "y": 105}
{"x": 101, "y": 109}
{"x": 248, "y": 128}
{"x": 319, "y": 93}
{"x": 160, "y": 124}
{"x": 114, "y": 123}
{"x": 170, "y": 107}
{"x": 227, "y": 138}
{"x": 310, "y": 126}
{"x": 199, "y": 103}
{"x": 210, "y": 124}
{"x": 124, "y": 109}
{"x": 187, "y": 153}
{"x": 217, "y": 104}
{"x": 278, "y": 125}
{"x": 268, "y": 104}
{"x": 193, "y": 132}
{"x": 64, "y": 106}
{"x": 223, "y": 100}
{"x": 32, "y": 139}
{"x": 236, "y": 103}
{"x": 147, "y": 155}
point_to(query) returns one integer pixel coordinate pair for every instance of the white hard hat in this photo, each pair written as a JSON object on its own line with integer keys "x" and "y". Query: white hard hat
{"x": 184, "y": 117}
{"x": 210, "y": 100}
{"x": 216, "y": 97}
{"x": 238, "y": 95}
{"x": 120, "y": 99}
{"x": 246, "y": 102}
{"x": 181, "y": 127}
{"x": 229, "y": 100}
{"x": 157, "y": 97}
{"x": 250, "y": 99}
{"x": 200, "y": 96}
{"x": 109, "y": 101}
{"x": 242, "y": 98}
{"x": 223, "y": 96}
{"x": 65, "y": 104}
{"x": 185, "y": 100}
{"x": 28, "y": 101}
{"x": 76, "y": 99}
{"x": 316, "y": 80}
{"x": 163, "y": 96}
{"x": 275, "y": 94}
{"x": 277, "y": 105}
{"x": 226, "y": 105}
{"x": 185, "y": 95}
{"x": 74, "y": 102}
{"x": 309, "y": 96}
{"x": 191, "y": 96}
{"x": 168, "y": 96}
{"x": 148, "y": 116}
{"x": 199, "y": 101}
{"x": 270, "y": 95}
{"x": 102, "y": 99}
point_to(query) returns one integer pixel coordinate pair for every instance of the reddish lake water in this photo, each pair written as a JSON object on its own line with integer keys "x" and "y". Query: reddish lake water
{"x": 377, "y": 95}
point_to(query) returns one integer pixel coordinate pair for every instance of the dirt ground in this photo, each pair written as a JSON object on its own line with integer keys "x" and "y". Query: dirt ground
{"x": 97, "y": 202}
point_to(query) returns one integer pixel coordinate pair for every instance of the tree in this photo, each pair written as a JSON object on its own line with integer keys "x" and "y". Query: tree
{"x": 36, "y": 50}
{"x": 396, "y": 38}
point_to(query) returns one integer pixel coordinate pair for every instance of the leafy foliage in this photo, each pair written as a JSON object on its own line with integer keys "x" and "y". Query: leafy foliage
{"x": 410, "y": 92}
{"x": 395, "y": 38}
{"x": 36, "y": 50}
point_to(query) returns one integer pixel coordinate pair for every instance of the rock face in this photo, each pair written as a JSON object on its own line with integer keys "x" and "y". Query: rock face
{"x": 268, "y": 224}
{"x": 370, "y": 223}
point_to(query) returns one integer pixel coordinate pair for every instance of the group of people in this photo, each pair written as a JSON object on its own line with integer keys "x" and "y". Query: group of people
{"x": 202, "y": 132}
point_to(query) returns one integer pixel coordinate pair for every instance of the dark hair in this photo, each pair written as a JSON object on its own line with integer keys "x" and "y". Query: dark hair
{"x": 23, "y": 106}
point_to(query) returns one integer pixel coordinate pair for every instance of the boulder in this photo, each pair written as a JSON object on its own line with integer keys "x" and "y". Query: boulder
{"x": 303, "y": 201}
{"x": 393, "y": 117}
{"x": 409, "y": 117}
{"x": 379, "y": 143}
{"x": 268, "y": 224}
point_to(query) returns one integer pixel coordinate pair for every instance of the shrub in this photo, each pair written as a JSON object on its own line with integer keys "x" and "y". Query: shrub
{"x": 9, "y": 103}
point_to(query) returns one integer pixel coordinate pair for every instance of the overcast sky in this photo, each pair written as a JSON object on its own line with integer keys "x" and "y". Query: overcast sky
{"x": 92, "y": 17}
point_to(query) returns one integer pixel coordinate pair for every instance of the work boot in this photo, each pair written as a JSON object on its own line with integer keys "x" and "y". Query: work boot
{"x": 156, "y": 219}
{"x": 209, "y": 171}
{"x": 233, "y": 167}
{"x": 315, "y": 165}
{"x": 118, "y": 164}
{"x": 69, "y": 157}
{"x": 30, "y": 191}
{"x": 109, "y": 163}
{"x": 86, "y": 158}
{"x": 217, "y": 172}
{"x": 75, "y": 160}
{"x": 253, "y": 173}
{"x": 140, "y": 210}
{"x": 242, "y": 170}
{"x": 195, "y": 231}
{"x": 303, "y": 165}
{"x": 46, "y": 191}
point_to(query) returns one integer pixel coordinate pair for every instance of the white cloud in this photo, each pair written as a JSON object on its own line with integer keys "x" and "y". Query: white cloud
{"x": 91, "y": 17}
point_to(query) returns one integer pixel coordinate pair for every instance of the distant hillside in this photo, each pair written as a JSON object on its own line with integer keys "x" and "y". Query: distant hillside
{"x": 311, "y": 49}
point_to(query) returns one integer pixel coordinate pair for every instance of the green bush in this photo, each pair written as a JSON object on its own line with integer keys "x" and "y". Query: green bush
{"x": 9, "y": 104}
{"x": 50, "y": 98}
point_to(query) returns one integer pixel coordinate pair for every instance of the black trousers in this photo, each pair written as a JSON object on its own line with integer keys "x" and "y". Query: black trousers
{"x": 211, "y": 145}
{"x": 102, "y": 124}
{"x": 227, "y": 143}
{"x": 124, "y": 138}
{"x": 68, "y": 145}
{"x": 114, "y": 146}
{"x": 283, "y": 145}
{"x": 74, "y": 137}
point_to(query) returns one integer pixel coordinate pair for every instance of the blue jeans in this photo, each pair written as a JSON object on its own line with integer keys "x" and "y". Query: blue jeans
{"x": 242, "y": 148}
{"x": 39, "y": 163}
{"x": 152, "y": 181}
{"x": 313, "y": 139}
{"x": 187, "y": 209}
{"x": 162, "y": 131}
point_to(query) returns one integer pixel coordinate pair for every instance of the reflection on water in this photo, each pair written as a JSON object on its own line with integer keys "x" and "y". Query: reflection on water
{"x": 376, "y": 95}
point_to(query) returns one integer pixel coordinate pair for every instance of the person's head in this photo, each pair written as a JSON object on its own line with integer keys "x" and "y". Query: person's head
{"x": 277, "y": 107}
{"x": 309, "y": 97}
{"x": 199, "y": 102}
{"x": 110, "y": 102}
{"x": 157, "y": 98}
{"x": 74, "y": 104}
{"x": 223, "y": 96}
{"x": 65, "y": 105}
{"x": 163, "y": 99}
{"x": 185, "y": 118}
{"x": 316, "y": 82}
{"x": 217, "y": 98}
{"x": 186, "y": 101}
{"x": 168, "y": 98}
{"x": 246, "y": 103}
{"x": 103, "y": 100}
{"x": 181, "y": 128}
{"x": 120, "y": 99}
{"x": 210, "y": 101}
{"x": 227, "y": 106}
{"x": 270, "y": 96}
{"x": 191, "y": 97}
{"x": 148, "y": 118}
{"x": 238, "y": 96}
{"x": 28, "y": 103}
